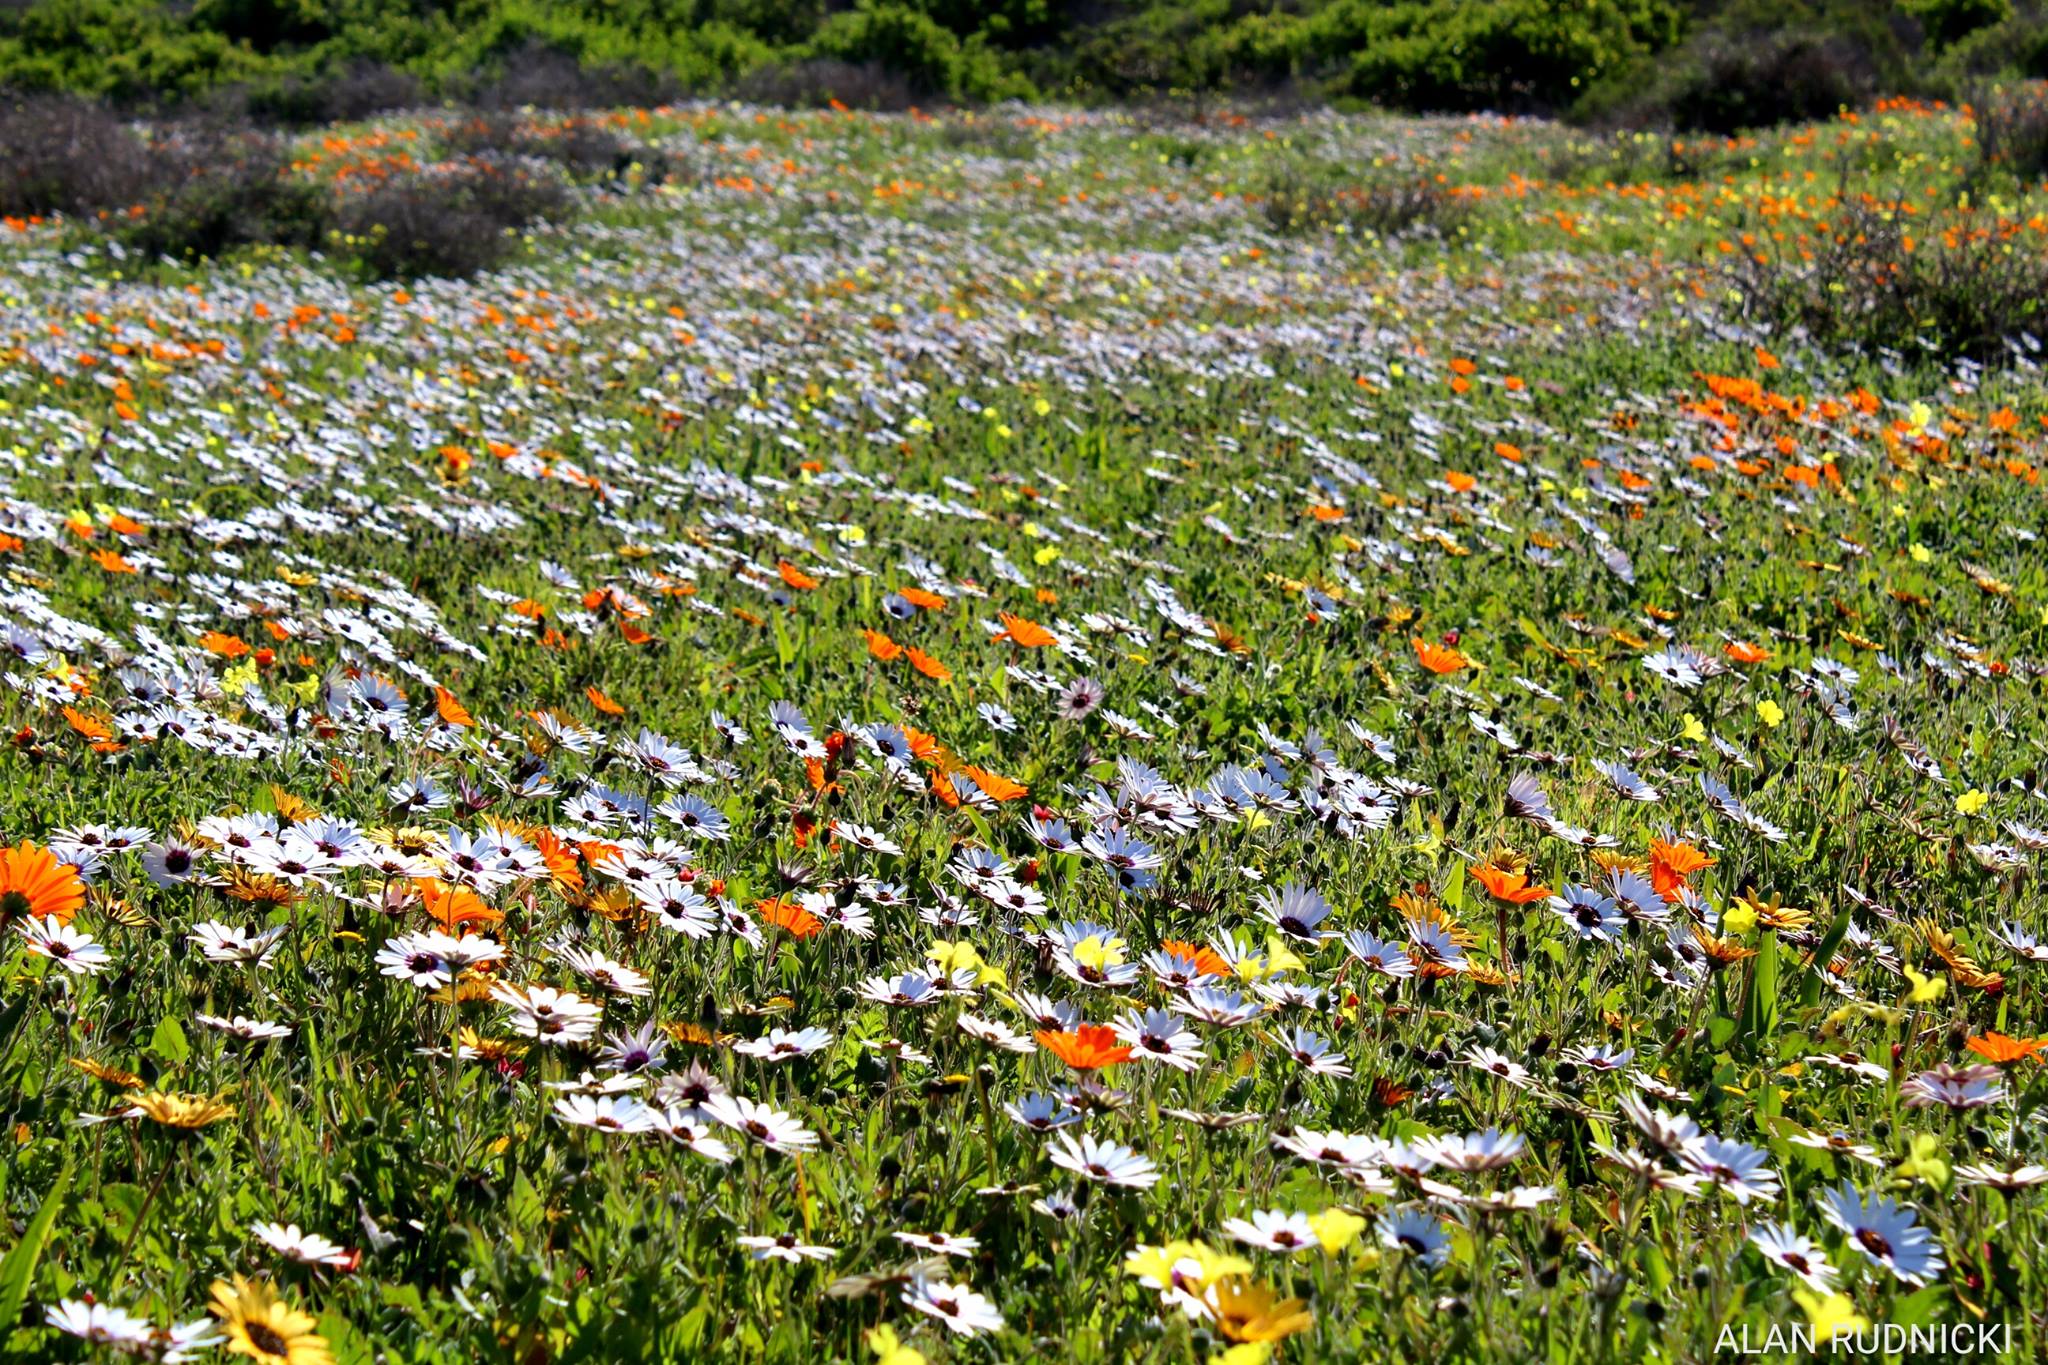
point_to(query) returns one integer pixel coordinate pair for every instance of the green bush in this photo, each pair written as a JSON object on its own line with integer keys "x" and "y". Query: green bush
{"x": 2016, "y": 47}
{"x": 1758, "y": 63}
{"x": 913, "y": 45}
{"x": 1700, "y": 63}
{"x": 1511, "y": 55}
{"x": 1948, "y": 22}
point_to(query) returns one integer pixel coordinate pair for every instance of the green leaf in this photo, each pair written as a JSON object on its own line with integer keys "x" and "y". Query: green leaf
{"x": 342, "y": 1339}
{"x": 168, "y": 1041}
{"x": 1918, "y": 1308}
{"x": 18, "y": 1267}
{"x": 1760, "y": 1004}
{"x": 122, "y": 1205}
{"x": 1810, "y": 983}
{"x": 524, "y": 1207}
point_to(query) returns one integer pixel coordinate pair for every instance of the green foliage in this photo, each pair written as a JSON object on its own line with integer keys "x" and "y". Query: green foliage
{"x": 1438, "y": 54}
{"x": 1947, "y": 22}
{"x": 1099, "y": 370}
{"x": 912, "y": 44}
{"x": 18, "y": 1267}
{"x": 1719, "y": 64}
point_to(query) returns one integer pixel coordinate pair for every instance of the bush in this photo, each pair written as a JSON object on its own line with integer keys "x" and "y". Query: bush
{"x": 1965, "y": 287}
{"x": 1756, "y": 81}
{"x": 1627, "y": 158}
{"x": 824, "y": 80}
{"x": 1508, "y": 55}
{"x": 453, "y": 221}
{"x": 988, "y": 137}
{"x": 61, "y": 154}
{"x": 218, "y": 190}
{"x": 580, "y": 146}
{"x": 361, "y": 90}
{"x": 1296, "y": 202}
{"x": 2012, "y": 133}
{"x": 196, "y": 189}
{"x": 2017, "y": 47}
{"x": 539, "y": 76}
{"x": 1759, "y": 63}
{"x": 1948, "y": 22}
{"x": 929, "y": 58}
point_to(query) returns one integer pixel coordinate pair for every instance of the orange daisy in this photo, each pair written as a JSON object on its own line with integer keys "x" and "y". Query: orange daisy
{"x": 1506, "y": 884}
{"x": 1438, "y": 658}
{"x": 1087, "y": 1048}
{"x": 1995, "y": 1047}
{"x": 34, "y": 882}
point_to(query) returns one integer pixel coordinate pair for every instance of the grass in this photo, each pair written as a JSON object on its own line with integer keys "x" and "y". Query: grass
{"x": 292, "y": 550}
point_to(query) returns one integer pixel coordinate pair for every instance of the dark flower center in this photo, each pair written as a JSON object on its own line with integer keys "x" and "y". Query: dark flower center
{"x": 267, "y": 1339}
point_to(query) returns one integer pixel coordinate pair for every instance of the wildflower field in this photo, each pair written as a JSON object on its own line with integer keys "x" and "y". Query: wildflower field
{"x": 1036, "y": 735}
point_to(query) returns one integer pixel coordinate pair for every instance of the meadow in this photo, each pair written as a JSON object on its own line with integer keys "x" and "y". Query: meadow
{"x": 1035, "y": 734}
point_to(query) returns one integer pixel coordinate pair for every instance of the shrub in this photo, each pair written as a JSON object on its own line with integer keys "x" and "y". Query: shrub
{"x": 581, "y": 146}
{"x": 1296, "y": 201}
{"x": 1964, "y": 287}
{"x": 218, "y": 190}
{"x": 1948, "y": 22}
{"x": 1760, "y": 80}
{"x": 1505, "y": 55}
{"x": 988, "y": 137}
{"x": 1635, "y": 157}
{"x": 2012, "y": 133}
{"x": 361, "y": 90}
{"x": 2016, "y": 47}
{"x": 928, "y": 57}
{"x": 60, "y": 154}
{"x": 540, "y": 76}
{"x": 449, "y": 221}
{"x": 820, "y": 81}
{"x": 1159, "y": 50}
{"x": 197, "y": 189}
{"x": 1758, "y": 63}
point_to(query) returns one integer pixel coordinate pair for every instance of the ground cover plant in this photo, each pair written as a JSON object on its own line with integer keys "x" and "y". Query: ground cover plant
{"x": 952, "y": 737}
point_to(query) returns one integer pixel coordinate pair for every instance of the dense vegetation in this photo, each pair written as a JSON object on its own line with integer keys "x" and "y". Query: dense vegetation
{"x": 1037, "y": 734}
{"x": 1700, "y": 64}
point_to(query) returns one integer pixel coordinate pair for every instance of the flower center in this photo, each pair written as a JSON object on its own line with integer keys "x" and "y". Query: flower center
{"x": 267, "y": 1339}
